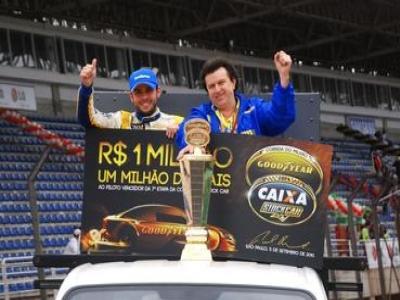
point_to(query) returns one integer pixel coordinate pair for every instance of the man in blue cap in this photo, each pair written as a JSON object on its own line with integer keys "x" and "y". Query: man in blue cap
{"x": 144, "y": 94}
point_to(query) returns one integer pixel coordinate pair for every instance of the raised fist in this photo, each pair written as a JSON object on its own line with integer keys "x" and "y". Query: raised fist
{"x": 283, "y": 64}
{"x": 88, "y": 73}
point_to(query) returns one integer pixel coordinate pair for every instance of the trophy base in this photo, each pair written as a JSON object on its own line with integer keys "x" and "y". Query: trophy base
{"x": 196, "y": 245}
{"x": 197, "y": 157}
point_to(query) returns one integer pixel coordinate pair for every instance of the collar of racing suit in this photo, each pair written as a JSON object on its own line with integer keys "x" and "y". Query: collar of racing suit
{"x": 147, "y": 119}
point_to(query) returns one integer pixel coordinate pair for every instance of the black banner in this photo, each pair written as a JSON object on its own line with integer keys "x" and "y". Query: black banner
{"x": 267, "y": 198}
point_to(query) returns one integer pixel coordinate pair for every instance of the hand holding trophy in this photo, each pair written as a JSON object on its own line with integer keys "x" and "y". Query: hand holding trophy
{"x": 196, "y": 171}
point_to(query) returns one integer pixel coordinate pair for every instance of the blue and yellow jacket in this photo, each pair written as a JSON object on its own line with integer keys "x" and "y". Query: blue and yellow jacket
{"x": 255, "y": 115}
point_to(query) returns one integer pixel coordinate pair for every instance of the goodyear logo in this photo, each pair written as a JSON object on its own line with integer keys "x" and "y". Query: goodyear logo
{"x": 142, "y": 76}
{"x": 282, "y": 200}
{"x": 286, "y": 160}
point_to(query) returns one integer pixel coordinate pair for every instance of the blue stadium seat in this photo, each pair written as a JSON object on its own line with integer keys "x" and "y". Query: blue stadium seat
{"x": 57, "y": 229}
{"x": 77, "y": 206}
{"x": 27, "y": 219}
{"x": 24, "y": 196}
{"x": 14, "y": 231}
{"x": 30, "y": 243}
{"x": 2, "y": 244}
{"x": 43, "y": 230}
{"x": 6, "y": 231}
{"x": 59, "y": 218}
{"x": 13, "y": 219}
{"x": 21, "y": 231}
{"x": 21, "y": 208}
{"x": 10, "y": 245}
{"x": 20, "y": 219}
{"x": 77, "y": 217}
{"x": 28, "y": 231}
{"x": 40, "y": 195}
{"x": 62, "y": 242}
{"x": 44, "y": 207}
{"x": 28, "y": 285}
{"x": 5, "y": 219}
{"x": 54, "y": 242}
{"x": 46, "y": 243}
{"x": 42, "y": 218}
{"x": 17, "y": 244}
{"x": 66, "y": 229}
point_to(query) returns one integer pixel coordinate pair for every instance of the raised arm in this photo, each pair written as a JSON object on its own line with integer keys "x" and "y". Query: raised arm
{"x": 278, "y": 114}
{"x": 88, "y": 115}
{"x": 283, "y": 64}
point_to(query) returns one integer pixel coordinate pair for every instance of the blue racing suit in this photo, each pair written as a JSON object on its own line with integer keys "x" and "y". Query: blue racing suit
{"x": 255, "y": 115}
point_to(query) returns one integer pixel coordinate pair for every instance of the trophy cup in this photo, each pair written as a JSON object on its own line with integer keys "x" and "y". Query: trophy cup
{"x": 196, "y": 172}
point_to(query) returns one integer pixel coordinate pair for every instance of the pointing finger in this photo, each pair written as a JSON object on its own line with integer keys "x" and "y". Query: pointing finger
{"x": 94, "y": 63}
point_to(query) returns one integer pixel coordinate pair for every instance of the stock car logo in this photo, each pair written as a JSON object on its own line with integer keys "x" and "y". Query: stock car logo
{"x": 282, "y": 200}
{"x": 283, "y": 183}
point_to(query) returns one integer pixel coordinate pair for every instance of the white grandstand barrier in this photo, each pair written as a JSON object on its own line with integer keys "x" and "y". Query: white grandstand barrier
{"x": 370, "y": 277}
{"x": 342, "y": 247}
{"x": 389, "y": 246}
{"x": 390, "y": 253}
{"x": 18, "y": 274}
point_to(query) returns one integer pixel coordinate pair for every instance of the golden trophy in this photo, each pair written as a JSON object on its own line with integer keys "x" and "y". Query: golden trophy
{"x": 196, "y": 172}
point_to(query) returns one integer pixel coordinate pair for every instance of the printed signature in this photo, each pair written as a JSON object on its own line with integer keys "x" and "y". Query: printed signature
{"x": 270, "y": 238}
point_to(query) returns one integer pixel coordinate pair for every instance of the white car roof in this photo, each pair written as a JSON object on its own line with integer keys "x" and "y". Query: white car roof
{"x": 195, "y": 272}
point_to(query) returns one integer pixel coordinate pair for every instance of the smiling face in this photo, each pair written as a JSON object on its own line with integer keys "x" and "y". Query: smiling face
{"x": 220, "y": 88}
{"x": 144, "y": 98}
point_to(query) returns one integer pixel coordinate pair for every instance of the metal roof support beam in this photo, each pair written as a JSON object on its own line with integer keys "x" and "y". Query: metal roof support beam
{"x": 341, "y": 36}
{"x": 68, "y": 5}
{"x": 371, "y": 55}
{"x": 348, "y": 24}
{"x": 240, "y": 19}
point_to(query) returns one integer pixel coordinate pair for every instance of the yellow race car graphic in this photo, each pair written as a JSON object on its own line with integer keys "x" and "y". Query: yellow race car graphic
{"x": 150, "y": 227}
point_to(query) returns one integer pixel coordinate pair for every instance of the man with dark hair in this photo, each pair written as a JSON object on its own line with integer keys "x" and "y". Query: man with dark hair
{"x": 144, "y": 94}
{"x": 231, "y": 112}
{"x": 212, "y": 65}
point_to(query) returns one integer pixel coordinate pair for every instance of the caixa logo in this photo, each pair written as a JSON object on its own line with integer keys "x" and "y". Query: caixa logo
{"x": 282, "y": 200}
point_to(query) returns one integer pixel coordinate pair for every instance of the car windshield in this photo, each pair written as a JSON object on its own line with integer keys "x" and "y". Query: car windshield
{"x": 162, "y": 217}
{"x": 185, "y": 292}
{"x": 139, "y": 212}
{"x": 156, "y": 213}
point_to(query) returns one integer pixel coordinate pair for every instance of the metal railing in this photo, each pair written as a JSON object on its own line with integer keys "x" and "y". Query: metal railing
{"x": 342, "y": 247}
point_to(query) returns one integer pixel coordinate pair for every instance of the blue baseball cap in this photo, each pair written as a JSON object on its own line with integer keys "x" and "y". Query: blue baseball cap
{"x": 143, "y": 76}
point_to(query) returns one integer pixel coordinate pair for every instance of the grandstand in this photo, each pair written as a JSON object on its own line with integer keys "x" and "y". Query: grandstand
{"x": 59, "y": 190}
{"x": 45, "y": 52}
